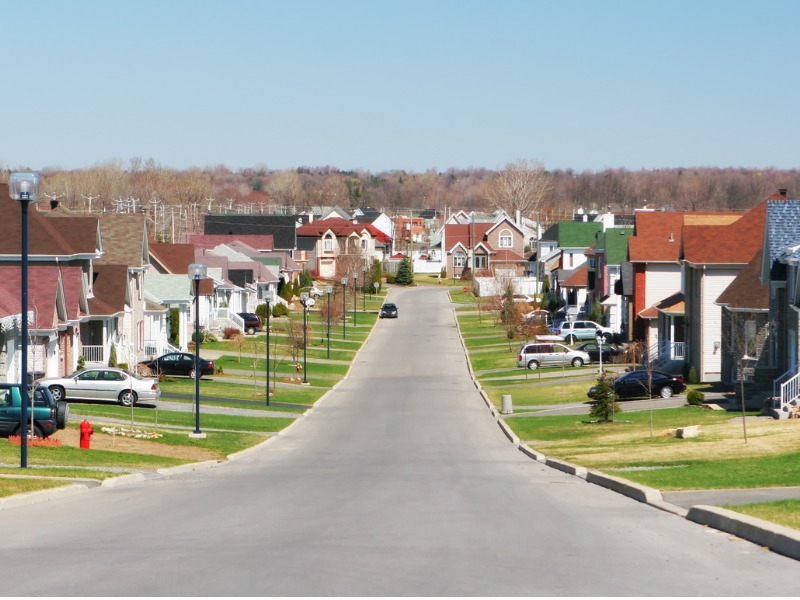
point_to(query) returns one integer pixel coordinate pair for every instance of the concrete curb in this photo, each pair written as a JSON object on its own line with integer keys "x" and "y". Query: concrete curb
{"x": 113, "y": 482}
{"x": 42, "y": 495}
{"x": 566, "y": 467}
{"x": 198, "y": 466}
{"x": 777, "y": 538}
{"x": 642, "y": 493}
{"x": 528, "y": 451}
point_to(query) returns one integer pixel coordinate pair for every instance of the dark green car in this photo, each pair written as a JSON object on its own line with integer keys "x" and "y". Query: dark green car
{"x": 48, "y": 415}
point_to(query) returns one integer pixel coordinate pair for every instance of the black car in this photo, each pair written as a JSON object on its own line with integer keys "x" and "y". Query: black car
{"x": 252, "y": 322}
{"x": 178, "y": 363}
{"x": 635, "y": 384}
{"x": 388, "y": 311}
{"x": 593, "y": 350}
{"x": 48, "y": 415}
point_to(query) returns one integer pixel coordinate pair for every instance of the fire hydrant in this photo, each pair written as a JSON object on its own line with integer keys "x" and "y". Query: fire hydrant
{"x": 299, "y": 368}
{"x": 86, "y": 434}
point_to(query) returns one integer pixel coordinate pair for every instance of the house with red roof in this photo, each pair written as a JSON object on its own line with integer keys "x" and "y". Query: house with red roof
{"x": 57, "y": 304}
{"x": 657, "y": 300}
{"x": 333, "y": 247}
{"x": 712, "y": 256}
{"x": 493, "y": 248}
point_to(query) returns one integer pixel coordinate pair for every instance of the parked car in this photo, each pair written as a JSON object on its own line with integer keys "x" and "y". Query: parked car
{"x": 48, "y": 415}
{"x": 252, "y": 322}
{"x": 572, "y": 331}
{"x": 388, "y": 311}
{"x": 103, "y": 383}
{"x": 314, "y": 291}
{"x": 635, "y": 384}
{"x": 549, "y": 354}
{"x": 178, "y": 363}
{"x": 593, "y": 349}
{"x": 538, "y": 316}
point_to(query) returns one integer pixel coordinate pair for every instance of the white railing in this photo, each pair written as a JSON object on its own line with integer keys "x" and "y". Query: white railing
{"x": 228, "y": 315}
{"x": 155, "y": 348}
{"x": 789, "y": 391}
{"x": 93, "y": 354}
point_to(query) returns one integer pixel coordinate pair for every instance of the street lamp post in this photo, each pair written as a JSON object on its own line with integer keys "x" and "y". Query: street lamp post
{"x": 599, "y": 339}
{"x": 328, "y": 290}
{"x": 268, "y": 297}
{"x": 364, "y": 290}
{"x": 304, "y": 300}
{"x": 344, "y": 307}
{"x": 355, "y": 297}
{"x": 25, "y": 188}
{"x": 196, "y": 273}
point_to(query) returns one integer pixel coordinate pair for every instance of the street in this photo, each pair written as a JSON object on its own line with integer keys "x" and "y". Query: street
{"x": 399, "y": 483}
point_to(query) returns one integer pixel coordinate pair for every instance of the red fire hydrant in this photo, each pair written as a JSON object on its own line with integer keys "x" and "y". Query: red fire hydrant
{"x": 299, "y": 367}
{"x": 86, "y": 434}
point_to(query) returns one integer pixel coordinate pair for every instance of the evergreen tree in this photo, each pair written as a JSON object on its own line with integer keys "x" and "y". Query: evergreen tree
{"x": 604, "y": 403}
{"x": 405, "y": 276}
{"x": 305, "y": 279}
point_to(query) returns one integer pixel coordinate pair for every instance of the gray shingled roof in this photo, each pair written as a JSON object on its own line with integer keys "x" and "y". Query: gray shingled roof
{"x": 783, "y": 226}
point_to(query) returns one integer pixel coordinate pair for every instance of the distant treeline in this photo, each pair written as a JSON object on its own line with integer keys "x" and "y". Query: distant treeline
{"x": 139, "y": 185}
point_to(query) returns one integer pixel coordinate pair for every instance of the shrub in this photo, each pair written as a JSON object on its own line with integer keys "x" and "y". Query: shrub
{"x": 604, "y": 404}
{"x": 202, "y": 337}
{"x": 692, "y": 375}
{"x": 230, "y": 333}
{"x": 695, "y": 397}
{"x": 390, "y": 278}
{"x": 112, "y": 356}
{"x": 280, "y": 310}
{"x": 210, "y": 336}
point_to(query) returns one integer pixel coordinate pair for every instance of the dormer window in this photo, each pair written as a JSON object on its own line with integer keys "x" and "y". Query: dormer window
{"x": 327, "y": 244}
{"x": 506, "y": 239}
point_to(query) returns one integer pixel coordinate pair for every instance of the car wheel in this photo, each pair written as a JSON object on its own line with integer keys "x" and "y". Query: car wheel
{"x": 571, "y": 339}
{"x": 665, "y": 392}
{"x": 127, "y": 397}
{"x": 533, "y": 365}
{"x": 251, "y": 330}
{"x": 58, "y": 393}
{"x": 577, "y": 362}
{"x": 193, "y": 374}
{"x": 607, "y": 337}
{"x": 37, "y": 431}
{"x": 62, "y": 414}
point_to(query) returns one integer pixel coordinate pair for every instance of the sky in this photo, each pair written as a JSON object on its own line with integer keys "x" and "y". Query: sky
{"x": 414, "y": 85}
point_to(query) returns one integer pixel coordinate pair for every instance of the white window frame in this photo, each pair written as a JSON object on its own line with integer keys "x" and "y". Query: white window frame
{"x": 506, "y": 239}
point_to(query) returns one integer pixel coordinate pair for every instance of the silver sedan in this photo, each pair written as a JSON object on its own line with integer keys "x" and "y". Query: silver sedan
{"x": 103, "y": 383}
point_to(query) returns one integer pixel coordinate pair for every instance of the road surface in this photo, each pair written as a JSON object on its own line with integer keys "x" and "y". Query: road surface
{"x": 400, "y": 483}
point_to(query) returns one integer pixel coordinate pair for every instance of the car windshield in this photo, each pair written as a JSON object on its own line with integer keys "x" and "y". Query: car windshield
{"x": 389, "y": 306}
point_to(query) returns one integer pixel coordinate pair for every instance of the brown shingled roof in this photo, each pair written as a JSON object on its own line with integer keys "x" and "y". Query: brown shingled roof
{"x": 747, "y": 291}
{"x": 735, "y": 243}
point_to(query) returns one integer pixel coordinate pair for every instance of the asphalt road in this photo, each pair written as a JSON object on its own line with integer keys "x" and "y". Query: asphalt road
{"x": 399, "y": 483}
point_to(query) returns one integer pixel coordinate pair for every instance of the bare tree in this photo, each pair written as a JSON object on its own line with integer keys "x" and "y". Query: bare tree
{"x": 520, "y": 187}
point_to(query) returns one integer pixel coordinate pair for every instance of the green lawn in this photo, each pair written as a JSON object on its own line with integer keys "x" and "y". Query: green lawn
{"x": 782, "y": 512}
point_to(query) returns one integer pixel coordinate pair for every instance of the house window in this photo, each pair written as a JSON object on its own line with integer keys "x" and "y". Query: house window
{"x": 327, "y": 244}
{"x": 506, "y": 241}
{"x": 459, "y": 259}
{"x": 363, "y": 243}
{"x": 480, "y": 262}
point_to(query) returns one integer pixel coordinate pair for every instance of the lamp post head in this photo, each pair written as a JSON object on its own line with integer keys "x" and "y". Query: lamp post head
{"x": 269, "y": 296}
{"x": 329, "y": 289}
{"x": 599, "y": 337}
{"x": 304, "y": 297}
{"x": 355, "y": 276}
{"x": 197, "y": 271}
{"x": 24, "y": 186}
{"x": 344, "y": 280}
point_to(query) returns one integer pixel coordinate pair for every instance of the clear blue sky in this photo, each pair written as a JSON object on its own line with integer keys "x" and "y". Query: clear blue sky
{"x": 401, "y": 84}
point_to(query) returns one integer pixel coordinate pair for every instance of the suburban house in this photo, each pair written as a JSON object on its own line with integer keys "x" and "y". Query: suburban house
{"x": 57, "y": 302}
{"x": 712, "y": 257}
{"x": 50, "y": 244}
{"x": 570, "y": 262}
{"x": 338, "y": 246}
{"x": 474, "y": 247}
{"x": 380, "y": 221}
{"x": 605, "y": 270}
{"x": 780, "y": 272}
